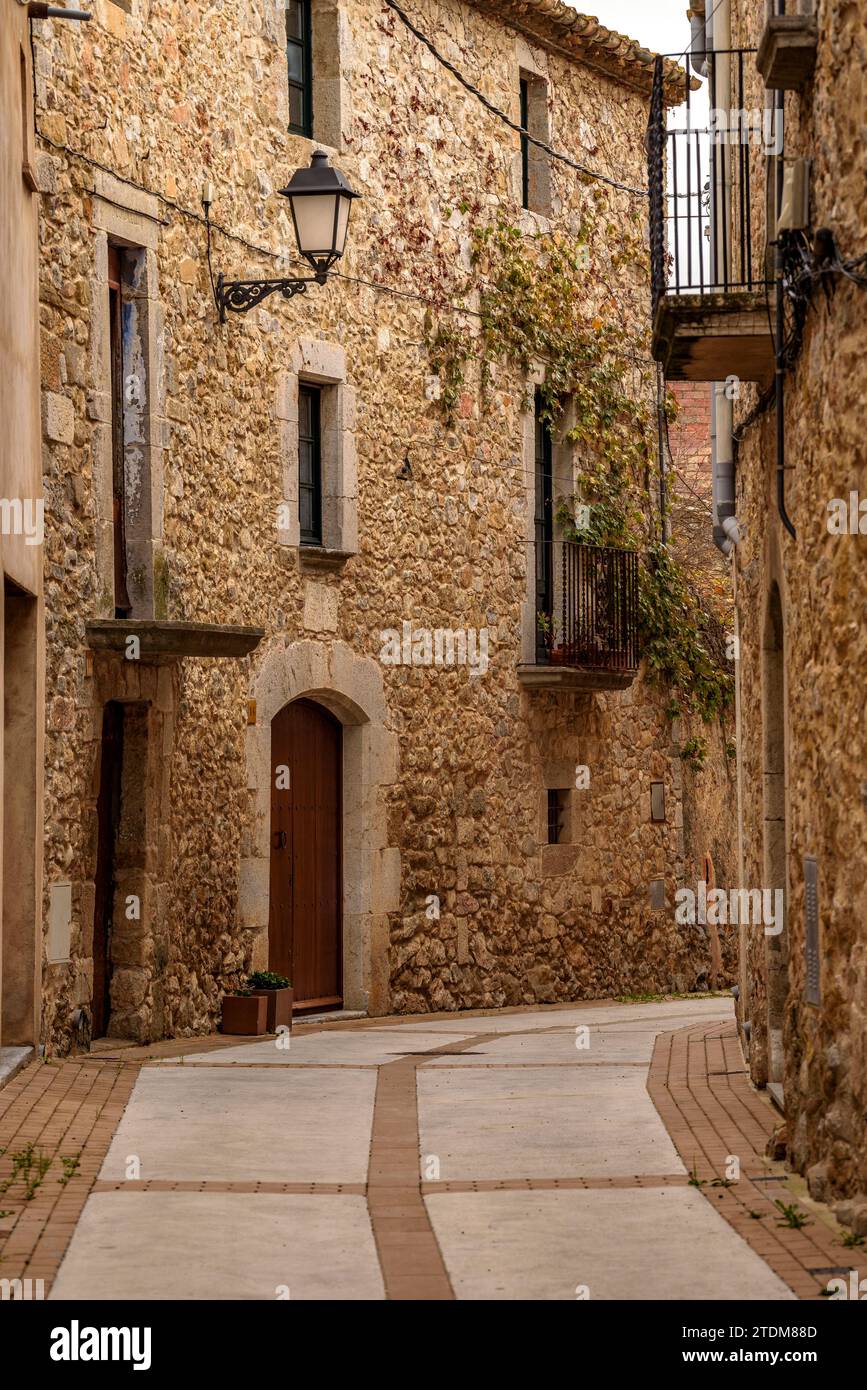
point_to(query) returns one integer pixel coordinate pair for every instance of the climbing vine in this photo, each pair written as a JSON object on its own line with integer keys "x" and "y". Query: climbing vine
{"x": 537, "y": 305}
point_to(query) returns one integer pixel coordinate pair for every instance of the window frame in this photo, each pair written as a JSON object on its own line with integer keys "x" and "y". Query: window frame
{"x": 534, "y": 94}
{"x": 122, "y": 603}
{"x": 305, "y": 45}
{"x": 524, "y": 87}
{"x": 313, "y": 535}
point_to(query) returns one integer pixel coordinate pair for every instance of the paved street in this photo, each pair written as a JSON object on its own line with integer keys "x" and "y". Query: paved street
{"x": 501, "y": 1157}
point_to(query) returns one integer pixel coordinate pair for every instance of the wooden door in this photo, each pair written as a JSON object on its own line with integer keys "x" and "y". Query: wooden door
{"x": 305, "y": 923}
{"x": 108, "y": 818}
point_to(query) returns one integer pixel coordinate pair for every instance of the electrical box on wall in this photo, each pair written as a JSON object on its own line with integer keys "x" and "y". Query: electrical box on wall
{"x": 59, "y": 922}
{"x": 795, "y": 201}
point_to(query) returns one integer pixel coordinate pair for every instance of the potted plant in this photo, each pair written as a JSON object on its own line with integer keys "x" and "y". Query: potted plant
{"x": 277, "y": 990}
{"x": 545, "y": 624}
{"x": 245, "y": 1014}
{"x": 555, "y": 653}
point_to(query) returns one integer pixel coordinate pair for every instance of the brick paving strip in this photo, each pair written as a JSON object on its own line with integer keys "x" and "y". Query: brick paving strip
{"x": 556, "y": 1184}
{"x": 304, "y": 1189}
{"x": 66, "y": 1111}
{"x": 409, "y": 1255}
{"x": 700, "y": 1087}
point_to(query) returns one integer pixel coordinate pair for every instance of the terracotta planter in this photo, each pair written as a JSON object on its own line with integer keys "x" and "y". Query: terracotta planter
{"x": 244, "y": 1015}
{"x": 279, "y": 1007}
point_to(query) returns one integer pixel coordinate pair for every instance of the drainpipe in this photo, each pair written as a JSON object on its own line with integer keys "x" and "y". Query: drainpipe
{"x": 699, "y": 42}
{"x": 719, "y": 535}
{"x": 726, "y": 532}
{"x": 780, "y": 367}
{"x": 781, "y": 422}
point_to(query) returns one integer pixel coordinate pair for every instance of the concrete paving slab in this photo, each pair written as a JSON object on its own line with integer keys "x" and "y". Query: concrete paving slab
{"x": 220, "y": 1245}
{"x": 669, "y": 1014}
{"x": 652, "y": 1243}
{"x": 537, "y": 1122}
{"x": 200, "y": 1123}
{"x": 606, "y": 1045}
{"x": 366, "y": 1047}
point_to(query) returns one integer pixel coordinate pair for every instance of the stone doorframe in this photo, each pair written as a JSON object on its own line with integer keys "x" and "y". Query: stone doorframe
{"x": 140, "y": 945}
{"x": 350, "y": 687}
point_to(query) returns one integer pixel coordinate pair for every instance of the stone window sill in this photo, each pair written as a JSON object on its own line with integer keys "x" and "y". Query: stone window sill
{"x": 319, "y": 558}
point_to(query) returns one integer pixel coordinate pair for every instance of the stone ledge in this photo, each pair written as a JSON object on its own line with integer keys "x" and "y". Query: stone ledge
{"x": 172, "y": 640}
{"x": 787, "y": 52}
{"x": 319, "y": 557}
{"x": 573, "y": 678}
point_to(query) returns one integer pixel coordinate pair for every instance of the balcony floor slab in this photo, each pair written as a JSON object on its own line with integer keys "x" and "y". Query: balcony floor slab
{"x": 709, "y": 337}
{"x": 573, "y": 678}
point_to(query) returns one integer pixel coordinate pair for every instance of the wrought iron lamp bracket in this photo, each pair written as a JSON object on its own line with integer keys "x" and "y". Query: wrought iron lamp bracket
{"x": 240, "y": 296}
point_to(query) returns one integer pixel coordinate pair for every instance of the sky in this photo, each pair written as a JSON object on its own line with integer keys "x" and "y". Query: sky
{"x": 660, "y": 25}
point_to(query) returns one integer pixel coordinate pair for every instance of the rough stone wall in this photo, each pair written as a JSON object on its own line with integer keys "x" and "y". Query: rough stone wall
{"x": 821, "y": 579}
{"x": 165, "y": 96}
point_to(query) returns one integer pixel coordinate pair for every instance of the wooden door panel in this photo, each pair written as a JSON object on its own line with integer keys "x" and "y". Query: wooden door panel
{"x": 305, "y": 929}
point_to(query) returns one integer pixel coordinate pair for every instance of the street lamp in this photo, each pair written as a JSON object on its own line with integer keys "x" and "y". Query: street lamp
{"x": 320, "y": 199}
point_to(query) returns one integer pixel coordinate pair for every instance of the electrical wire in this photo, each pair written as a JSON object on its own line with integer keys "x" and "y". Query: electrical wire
{"x": 507, "y": 120}
{"x": 151, "y": 193}
{"x": 210, "y": 226}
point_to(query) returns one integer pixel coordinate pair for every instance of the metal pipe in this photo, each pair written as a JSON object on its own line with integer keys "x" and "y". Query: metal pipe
{"x": 726, "y": 530}
{"x": 779, "y": 364}
{"x": 37, "y": 9}
{"x": 781, "y": 423}
{"x": 699, "y": 43}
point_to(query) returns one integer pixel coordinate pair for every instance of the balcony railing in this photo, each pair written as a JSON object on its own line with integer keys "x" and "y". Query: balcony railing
{"x": 586, "y": 616}
{"x": 706, "y": 178}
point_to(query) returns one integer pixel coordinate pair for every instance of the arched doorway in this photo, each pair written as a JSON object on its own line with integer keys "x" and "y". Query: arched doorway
{"x": 305, "y": 927}
{"x": 776, "y": 946}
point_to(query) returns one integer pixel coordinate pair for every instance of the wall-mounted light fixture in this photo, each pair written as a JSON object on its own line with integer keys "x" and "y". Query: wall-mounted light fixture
{"x": 321, "y": 200}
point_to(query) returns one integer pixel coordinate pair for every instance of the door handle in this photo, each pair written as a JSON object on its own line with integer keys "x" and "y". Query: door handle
{"x": 280, "y": 839}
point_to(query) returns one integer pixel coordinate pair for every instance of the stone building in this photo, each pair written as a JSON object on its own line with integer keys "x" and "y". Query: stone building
{"x": 21, "y": 525}
{"x": 790, "y": 472}
{"x": 303, "y": 710}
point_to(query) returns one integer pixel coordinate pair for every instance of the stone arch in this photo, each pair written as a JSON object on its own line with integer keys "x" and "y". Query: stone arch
{"x": 351, "y": 688}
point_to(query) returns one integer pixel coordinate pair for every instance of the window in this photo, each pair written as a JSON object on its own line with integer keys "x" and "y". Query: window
{"x": 310, "y": 464}
{"x": 122, "y": 605}
{"x": 299, "y": 57}
{"x": 535, "y": 164}
{"x": 558, "y": 802}
{"x": 525, "y": 144}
